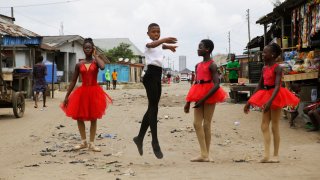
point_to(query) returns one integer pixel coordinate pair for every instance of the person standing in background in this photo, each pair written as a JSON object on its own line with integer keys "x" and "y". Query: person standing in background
{"x": 39, "y": 81}
{"x": 108, "y": 79}
{"x": 233, "y": 68}
{"x": 114, "y": 78}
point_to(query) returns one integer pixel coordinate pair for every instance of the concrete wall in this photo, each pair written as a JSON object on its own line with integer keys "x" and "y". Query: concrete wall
{"x": 22, "y": 58}
{"x": 69, "y": 55}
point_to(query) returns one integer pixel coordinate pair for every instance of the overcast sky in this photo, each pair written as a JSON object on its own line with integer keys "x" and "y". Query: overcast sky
{"x": 187, "y": 20}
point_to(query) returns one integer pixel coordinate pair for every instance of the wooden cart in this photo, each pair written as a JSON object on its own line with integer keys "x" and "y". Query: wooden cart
{"x": 9, "y": 98}
{"x": 12, "y": 35}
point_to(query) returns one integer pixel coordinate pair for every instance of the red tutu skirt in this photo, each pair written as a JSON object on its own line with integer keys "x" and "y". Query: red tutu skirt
{"x": 87, "y": 103}
{"x": 282, "y": 99}
{"x": 198, "y": 91}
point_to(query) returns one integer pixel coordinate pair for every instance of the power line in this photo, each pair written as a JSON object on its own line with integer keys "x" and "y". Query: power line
{"x": 40, "y": 22}
{"x": 42, "y": 4}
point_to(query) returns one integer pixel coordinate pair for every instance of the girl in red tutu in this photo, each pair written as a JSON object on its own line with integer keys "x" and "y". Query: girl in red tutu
{"x": 89, "y": 101}
{"x": 205, "y": 92}
{"x": 271, "y": 97}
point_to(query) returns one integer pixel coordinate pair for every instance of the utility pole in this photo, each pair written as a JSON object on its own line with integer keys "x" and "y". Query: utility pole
{"x": 229, "y": 43}
{"x": 172, "y": 65}
{"x": 248, "y": 18}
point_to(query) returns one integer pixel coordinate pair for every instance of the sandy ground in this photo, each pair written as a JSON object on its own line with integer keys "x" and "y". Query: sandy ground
{"x": 38, "y": 145}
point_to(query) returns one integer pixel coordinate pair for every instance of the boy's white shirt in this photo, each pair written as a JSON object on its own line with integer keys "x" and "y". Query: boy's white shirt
{"x": 154, "y": 56}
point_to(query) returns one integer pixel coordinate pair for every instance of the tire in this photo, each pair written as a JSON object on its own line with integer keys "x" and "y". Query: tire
{"x": 18, "y": 103}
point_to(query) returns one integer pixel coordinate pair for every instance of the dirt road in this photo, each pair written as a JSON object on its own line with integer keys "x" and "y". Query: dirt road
{"x": 38, "y": 146}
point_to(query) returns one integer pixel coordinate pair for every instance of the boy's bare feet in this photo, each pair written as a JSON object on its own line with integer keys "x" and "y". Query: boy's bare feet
{"x": 139, "y": 144}
{"x": 200, "y": 159}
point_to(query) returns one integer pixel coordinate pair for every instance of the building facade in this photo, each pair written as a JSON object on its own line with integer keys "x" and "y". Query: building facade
{"x": 182, "y": 62}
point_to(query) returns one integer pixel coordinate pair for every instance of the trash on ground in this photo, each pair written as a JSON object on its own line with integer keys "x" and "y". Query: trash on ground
{"x": 77, "y": 161}
{"x": 112, "y": 162}
{"x": 33, "y": 165}
{"x": 111, "y": 136}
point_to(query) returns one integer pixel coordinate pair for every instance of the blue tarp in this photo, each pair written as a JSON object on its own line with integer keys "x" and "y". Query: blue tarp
{"x": 122, "y": 70}
{"x": 49, "y": 73}
{"x": 10, "y": 40}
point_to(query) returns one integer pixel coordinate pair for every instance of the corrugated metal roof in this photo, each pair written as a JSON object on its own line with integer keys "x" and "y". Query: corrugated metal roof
{"x": 56, "y": 41}
{"x": 9, "y": 29}
{"x": 109, "y": 43}
{"x": 289, "y": 4}
{"x": 279, "y": 10}
{"x": 48, "y": 48}
{"x": 53, "y": 43}
{"x": 267, "y": 18}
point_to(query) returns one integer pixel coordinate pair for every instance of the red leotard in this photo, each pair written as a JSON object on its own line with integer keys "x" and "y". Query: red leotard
{"x": 89, "y": 101}
{"x": 282, "y": 99}
{"x": 199, "y": 90}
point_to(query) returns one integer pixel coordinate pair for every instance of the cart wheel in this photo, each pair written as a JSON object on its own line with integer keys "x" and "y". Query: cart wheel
{"x": 18, "y": 104}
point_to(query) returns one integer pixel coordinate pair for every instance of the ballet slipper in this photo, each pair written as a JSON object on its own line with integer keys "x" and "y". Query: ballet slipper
{"x": 157, "y": 150}
{"x": 211, "y": 160}
{"x": 81, "y": 146}
{"x": 139, "y": 144}
{"x": 93, "y": 148}
{"x": 275, "y": 159}
{"x": 265, "y": 160}
{"x": 200, "y": 159}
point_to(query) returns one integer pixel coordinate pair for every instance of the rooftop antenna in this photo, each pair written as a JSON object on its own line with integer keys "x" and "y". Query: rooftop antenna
{"x": 61, "y": 33}
{"x": 12, "y": 13}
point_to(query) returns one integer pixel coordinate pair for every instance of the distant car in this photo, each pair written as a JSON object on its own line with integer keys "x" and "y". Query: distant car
{"x": 183, "y": 78}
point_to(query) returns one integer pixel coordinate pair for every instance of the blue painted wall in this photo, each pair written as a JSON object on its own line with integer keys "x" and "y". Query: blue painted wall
{"x": 9, "y": 40}
{"x": 122, "y": 70}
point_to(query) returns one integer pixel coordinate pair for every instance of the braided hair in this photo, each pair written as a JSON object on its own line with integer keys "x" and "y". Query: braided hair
{"x": 275, "y": 48}
{"x": 88, "y": 40}
{"x": 208, "y": 44}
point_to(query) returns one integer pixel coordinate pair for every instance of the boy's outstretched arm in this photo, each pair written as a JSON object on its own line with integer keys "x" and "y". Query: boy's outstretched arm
{"x": 170, "y": 47}
{"x": 156, "y": 43}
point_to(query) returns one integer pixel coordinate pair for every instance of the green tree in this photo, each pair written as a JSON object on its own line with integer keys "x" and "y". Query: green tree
{"x": 121, "y": 51}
